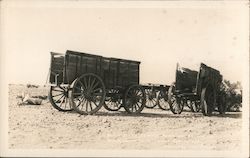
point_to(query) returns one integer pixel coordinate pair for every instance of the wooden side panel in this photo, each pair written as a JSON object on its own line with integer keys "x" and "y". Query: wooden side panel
{"x": 56, "y": 68}
{"x": 134, "y": 73}
{"x": 105, "y": 69}
{"x": 113, "y": 69}
{"x": 186, "y": 80}
{"x": 128, "y": 73}
{"x": 79, "y": 64}
{"x": 120, "y": 73}
{"x": 123, "y": 74}
{"x": 114, "y": 72}
{"x": 208, "y": 77}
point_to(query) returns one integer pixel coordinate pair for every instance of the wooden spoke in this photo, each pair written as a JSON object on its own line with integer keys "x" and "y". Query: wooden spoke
{"x": 57, "y": 90}
{"x": 57, "y": 95}
{"x": 59, "y": 99}
{"x": 92, "y": 83}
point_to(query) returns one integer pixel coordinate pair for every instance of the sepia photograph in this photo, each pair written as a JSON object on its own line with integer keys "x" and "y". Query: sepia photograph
{"x": 124, "y": 78}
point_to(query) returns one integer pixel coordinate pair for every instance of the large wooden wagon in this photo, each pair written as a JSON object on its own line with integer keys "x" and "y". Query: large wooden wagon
{"x": 84, "y": 82}
{"x": 196, "y": 89}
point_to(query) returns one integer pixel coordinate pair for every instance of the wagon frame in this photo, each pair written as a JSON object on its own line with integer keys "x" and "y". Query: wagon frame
{"x": 201, "y": 89}
{"x": 85, "y": 82}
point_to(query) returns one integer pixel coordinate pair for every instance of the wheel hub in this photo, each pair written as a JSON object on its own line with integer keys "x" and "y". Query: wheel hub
{"x": 88, "y": 96}
{"x": 65, "y": 93}
{"x": 150, "y": 97}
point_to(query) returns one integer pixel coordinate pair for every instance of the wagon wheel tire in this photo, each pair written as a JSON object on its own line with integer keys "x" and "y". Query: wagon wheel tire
{"x": 151, "y": 100}
{"x": 88, "y": 94}
{"x": 162, "y": 101}
{"x": 111, "y": 104}
{"x": 114, "y": 106}
{"x": 134, "y": 99}
{"x": 176, "y": 104}
{"x": 58, "y": 97}
{"x": 206, "y": 102}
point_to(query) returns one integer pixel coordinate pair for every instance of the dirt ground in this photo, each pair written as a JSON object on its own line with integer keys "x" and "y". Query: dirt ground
{"x": 43, "y": 127}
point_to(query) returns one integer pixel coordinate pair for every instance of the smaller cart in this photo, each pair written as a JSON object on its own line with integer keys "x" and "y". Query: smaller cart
{"x": 197, "y": 90}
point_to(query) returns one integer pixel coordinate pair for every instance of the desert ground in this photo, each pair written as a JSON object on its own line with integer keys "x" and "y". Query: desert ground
{"x": 43, "y": 127}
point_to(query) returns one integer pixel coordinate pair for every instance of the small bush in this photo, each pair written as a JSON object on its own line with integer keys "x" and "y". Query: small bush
{"x": 233, "y": 95}
{"x": 32, "y": 86}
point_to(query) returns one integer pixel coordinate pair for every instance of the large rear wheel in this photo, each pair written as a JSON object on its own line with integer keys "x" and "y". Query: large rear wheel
{"x": 87, "y": 94}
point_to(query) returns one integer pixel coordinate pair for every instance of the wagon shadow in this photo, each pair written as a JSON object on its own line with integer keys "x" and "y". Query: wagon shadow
{"x": 165, "y": 115}
{"x": 229, "y": 115}
{"x": 125, "y": 114}
{"x": 148, "y": 115}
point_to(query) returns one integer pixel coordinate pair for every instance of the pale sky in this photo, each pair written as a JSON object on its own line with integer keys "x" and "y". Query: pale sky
{"x": 159, "y": 37}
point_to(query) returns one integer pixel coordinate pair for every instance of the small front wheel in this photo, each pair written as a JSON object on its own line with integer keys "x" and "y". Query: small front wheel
{"x": 151, "y": 101}
{"x": 176, "y": 103}
{"x": 134, "y": 99}
{"x": 58, "y": 97}
{"x": 162, "y": 101}
{"x": 113, "y": 100}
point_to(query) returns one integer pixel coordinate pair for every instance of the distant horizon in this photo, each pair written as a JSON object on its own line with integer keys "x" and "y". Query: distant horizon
{"x": 158, "y": 36}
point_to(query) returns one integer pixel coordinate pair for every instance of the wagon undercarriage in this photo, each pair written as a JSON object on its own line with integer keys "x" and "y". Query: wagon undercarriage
{"x": 85, "y": 82}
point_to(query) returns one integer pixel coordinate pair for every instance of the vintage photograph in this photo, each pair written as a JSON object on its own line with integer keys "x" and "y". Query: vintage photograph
{"x": 125, "y": 78}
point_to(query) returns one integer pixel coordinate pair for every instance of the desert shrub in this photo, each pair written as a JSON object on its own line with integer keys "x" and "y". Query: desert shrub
{"x": 233, "y": 95}
{"x": 32, "y": 86}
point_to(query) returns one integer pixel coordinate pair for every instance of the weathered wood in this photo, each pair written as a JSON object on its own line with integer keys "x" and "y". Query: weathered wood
{"x": 114, "y": 72}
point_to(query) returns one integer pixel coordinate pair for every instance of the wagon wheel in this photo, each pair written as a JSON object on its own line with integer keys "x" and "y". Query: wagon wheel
{"x": 113, "y": 103}
{"x": 162, "y": 100}
{"x": 151, "y": 100}
{"x": 58, "y": 97}
{"x": 176, "y": 103}
{"x": 207, "y": 101}
{"x": 194, "y": 106}
{"x": 134, "y": 99}
{"x": 87, "y": 94}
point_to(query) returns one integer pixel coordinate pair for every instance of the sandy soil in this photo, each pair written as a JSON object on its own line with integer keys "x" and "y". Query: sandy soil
{"x": 43, "y": 127}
